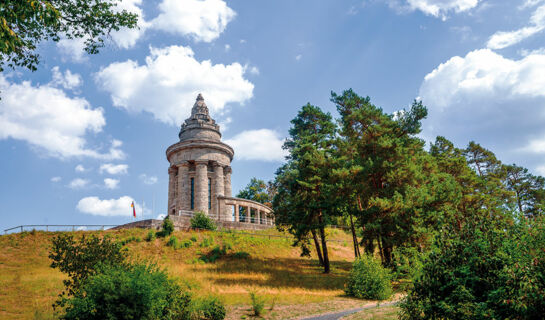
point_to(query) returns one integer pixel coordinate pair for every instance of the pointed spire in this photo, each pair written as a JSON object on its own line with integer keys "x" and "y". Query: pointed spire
{"x": 200, "y": 107}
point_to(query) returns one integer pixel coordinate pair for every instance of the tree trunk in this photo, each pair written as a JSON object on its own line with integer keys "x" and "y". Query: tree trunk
{"x": 324, "y": 244}
{"x": 354, "y": 238}
{"x": 387, "y": 249}
{"x": 379, "y": 242}
{"x": 318, "y": 249}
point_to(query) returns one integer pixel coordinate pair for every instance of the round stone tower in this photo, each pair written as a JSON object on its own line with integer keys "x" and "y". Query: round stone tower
{"x": 199, "y": 168}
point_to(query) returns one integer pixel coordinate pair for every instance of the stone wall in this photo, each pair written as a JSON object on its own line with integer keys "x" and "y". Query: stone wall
{"x": 142, "y": 224}
{"x": 183, "y": 223}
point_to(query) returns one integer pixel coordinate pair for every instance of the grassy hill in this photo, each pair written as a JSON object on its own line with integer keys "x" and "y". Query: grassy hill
{"x": 225, "y": 264}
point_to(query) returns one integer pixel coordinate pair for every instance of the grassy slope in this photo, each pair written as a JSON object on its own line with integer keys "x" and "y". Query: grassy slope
{"x": 274, "y": 269}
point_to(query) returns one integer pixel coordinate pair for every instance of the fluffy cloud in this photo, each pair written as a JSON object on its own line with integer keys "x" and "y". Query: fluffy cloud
{"x": 148, "y": 179}
{"x": 127, "y": 38}
{"x": 56, "y": 179}
{"x": 262, "y": 144}
{"x": 80, "y": 168}
{"x": 78, "y": 183}
{"x": 113, "y": 168}
{"x": 73, "y": 49}
{"x": 111, "y": 207}
{"x": 503, "y": 39}
{"x": 436, "y": 8}
{"x": 45, "y": 117}
{"x": 68, "y": 80}
{"x": 496, "y": 101}
{"x": 167, "y": 85}
{"x": 203, "y": 20}
{"x": 111, "y": 183}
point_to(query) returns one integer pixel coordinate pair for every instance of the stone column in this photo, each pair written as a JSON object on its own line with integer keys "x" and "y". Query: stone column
{"x": 249, "y": 214}
{"x": 218, "y": 189}
{"x": 171, "y": 191}
{"x": 227, "y": 181}
{"x": 237, "y": 219}
{"x": 258, "y": 216}
{"x": 183, "y": 187}
{"x": 201, "y": 186}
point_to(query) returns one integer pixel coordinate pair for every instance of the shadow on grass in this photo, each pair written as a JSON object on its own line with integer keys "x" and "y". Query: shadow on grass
{"x": 281, "y": 272}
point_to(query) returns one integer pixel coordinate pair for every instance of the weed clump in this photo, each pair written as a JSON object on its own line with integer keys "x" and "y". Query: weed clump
{"x": 258, "y": 303}
{"x": 168, "y": 228}
{"x": 173, "y": 242}
{"x": 150, "y": 236}
{"x": 208, "y": 308}
{"x": 369, "y": 280}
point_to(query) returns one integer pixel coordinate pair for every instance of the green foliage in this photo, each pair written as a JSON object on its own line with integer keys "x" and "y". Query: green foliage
{"x": 173, "y": 242}
{"x": 369, "y": 280}
{"x": 207, "y": 242}
{"x": 193, "y": 238}
{"x": 407, "y": 262}
{"x": 241, "y": 255}
{"x": 214, "y": 254}
{"x": 259, "y": 191}
{"x": 79, "y": 259}
{"x": 185, "y": 244}
{"x": 492, "y": 269}
{"x": 168, "y": 228}
{"x": 150, "y": 236}
{"x": 201, "y": 221}
{"x": 24, "y": 24}
{"x": 210, "y": 308}
{"x": 134, "y": 292}
{"x": 258, "y": 303}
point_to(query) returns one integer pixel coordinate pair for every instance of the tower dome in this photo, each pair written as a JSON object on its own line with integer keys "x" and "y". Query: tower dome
{"x": 200, "y": 125}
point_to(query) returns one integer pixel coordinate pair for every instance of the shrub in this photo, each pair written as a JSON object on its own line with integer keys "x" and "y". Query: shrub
{"x": 185, "y": 244}
{"x": 201, "y": 221}
{"x": 215, "y": 254}
{"x": 241, "y": 255}
{"x": 168, "y": 228}
{"x": 407, "y": 262}
{"x": 206, "y": 242}
{"x": 135, "y": 292}
{"x": 369, "y": 280}
{"x": 173, "y": 242}
{"x": 258, "y": 303}
{"x": 150, "y": 236}
{"x": 210, "y": 308}
{"x": 79, "y": 259}
{"x": 193, "y": 238}
{"x": 488, "y": 269}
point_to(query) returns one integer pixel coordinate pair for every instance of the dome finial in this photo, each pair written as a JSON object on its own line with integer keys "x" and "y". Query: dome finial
{"x": 199, "y": 97}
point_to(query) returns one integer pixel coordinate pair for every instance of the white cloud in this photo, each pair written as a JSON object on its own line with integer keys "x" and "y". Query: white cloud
{"x": 254, "y": 71}
{"x": 126, "y": 38}
{"x": 436, "y": 8}
{"x": 73, "y": 49}
{"x": 298, "y": 57}
{"x": 111, "y": 183}
{"x": 148, "y": 179}
{"x": 78, "y": 183}
{"x": 112, "y": 207}
{"x": 503, "y": 39}
{"x": 167, "y": 85}
{"x": 496, "y": 101}
{"x": 68, "y": 80}
{"x": 227, "y": 47}
{"x": 161, "y": 216}
{"x": 47, "y": 118}
{"x": 113, "y": 168}
{"x": 80, "y": 168}
{"x": 541, "y": 170}
{"x": 202, "y": 20}
{"x": 262, "y": 144}
{"x": 56, "y": 179}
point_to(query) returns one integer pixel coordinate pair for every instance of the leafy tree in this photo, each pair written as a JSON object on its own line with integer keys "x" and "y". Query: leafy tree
{"x": 258, "y": 190}
{"x": 528, "y": 190}
{"x": 490, "y": 269}
{"x": 80, "y": 259}
{"x": 24, "y": 24}
{"x": 133, "y": 292}
{"x": 386, "y": 178}
{"x": 303, "y": 202}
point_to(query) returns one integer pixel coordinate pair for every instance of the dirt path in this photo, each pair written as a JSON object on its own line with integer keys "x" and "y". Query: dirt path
{"x": 339, "y": 315}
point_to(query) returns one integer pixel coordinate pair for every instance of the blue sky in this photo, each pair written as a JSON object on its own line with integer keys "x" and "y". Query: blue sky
{"x": 85, "y": 135}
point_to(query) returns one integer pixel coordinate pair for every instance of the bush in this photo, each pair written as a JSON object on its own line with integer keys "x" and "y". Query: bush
{"x": 135, "y": 292}
{"x": 210, "y": 308}
{"x": 173, "y": 242}
{"x": 193, "y": 238}
{"x": 201, "y": 221}
{"x": 206, "y": 242}
{"x": 488, "y": 269}
{"x": 215, "y": 254}
{"x": 150, "y": 236}
{"x": 258, "y": 303}
{"x": 168, "y": 228}
{"x": 407, "y": 262}
{"x": 369, "y": 280}
{"x": 185, "y": 244}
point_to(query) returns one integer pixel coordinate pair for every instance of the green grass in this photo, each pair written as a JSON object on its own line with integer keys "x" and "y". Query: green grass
{"x": 236, "y": 264}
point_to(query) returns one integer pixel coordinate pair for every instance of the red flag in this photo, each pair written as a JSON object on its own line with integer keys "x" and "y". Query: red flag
{"x": 133, "y": 210}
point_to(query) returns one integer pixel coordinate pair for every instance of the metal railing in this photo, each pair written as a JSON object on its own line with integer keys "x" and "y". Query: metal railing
{"x": 244, "y": 219}
{"x": 61, "y": 227}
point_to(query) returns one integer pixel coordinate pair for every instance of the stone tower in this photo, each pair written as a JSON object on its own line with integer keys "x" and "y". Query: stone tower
{"x": 199, "y": 170}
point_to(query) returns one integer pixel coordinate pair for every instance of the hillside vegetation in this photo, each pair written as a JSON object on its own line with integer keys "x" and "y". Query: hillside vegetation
{"x": 229, "y": 265}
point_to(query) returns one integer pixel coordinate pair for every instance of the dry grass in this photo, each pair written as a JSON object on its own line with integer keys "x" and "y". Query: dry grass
{"x": 273, "y": 269}
{"x": 382, "y": 313}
